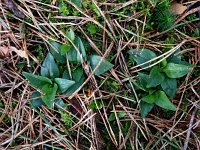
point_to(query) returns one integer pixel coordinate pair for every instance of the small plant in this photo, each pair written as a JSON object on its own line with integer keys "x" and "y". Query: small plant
{"x": 163, "y": 16}
{"x": 65, "y": 9}
{"x": 92, "y": 28}
{"x": 49, "y": 83}
{"x": 67, "y": 119}
{"x": 159, "y": 82}
{"x": 55, "y": 77}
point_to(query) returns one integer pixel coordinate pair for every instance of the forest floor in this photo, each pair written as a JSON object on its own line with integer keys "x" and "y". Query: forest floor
{"x": 100, "y": 74}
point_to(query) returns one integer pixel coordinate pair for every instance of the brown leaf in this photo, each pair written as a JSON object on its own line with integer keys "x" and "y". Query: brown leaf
{"x": 5, "y": 52}
{"x": 178, "y": 9}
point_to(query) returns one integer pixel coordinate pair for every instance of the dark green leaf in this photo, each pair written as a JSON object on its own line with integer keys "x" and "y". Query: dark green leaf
{"x": 63, "y": 84}
{"x": 104, "y": 66}
{"x": 44, "y": 72}
{"x": 77, "y": 3}
{"x": 55, "y": 49}
{"x": 77, "y": 74}
{"x": 95, "y": 105}
{"x": 145, "y": 108}
{"x": 155, "y": 77}
{"x": 149, "y": 98}
{"x": 111, "y": 117}
{"x": 143, "y": 79}
{"x": 74, "y": 87}
{"x": 164, "y": 63}
{"x": 119, "y": 115}
{"x": 163, "y": 101}
{"x": 66, "y": 75}
{"x": 169, "y": 85}
{"x": 36, "y": 100}
{"x": 92, "y": 28}
{"x": 65, "y": 48}
{"x": 142, "y": 56}
{"x": 73, "y": 56}
{"x": 37, "y": 81}
{"x": 186, "y": 64}
{"x": 49, "y": 67}
{"x": 49, "y": 92}
{"x": 176, "y": 70}
{"x": 175, "y": 58}
{"x": 70, "y": 35}
{"x": 59, "y": 103}
{"x": 80, "y": 46}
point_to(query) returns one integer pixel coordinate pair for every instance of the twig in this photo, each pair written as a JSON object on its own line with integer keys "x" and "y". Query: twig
{"x": 189, "y": 130}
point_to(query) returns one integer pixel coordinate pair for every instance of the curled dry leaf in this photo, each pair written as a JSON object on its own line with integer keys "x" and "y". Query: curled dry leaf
{"x": 5, "y": 52}
{"x": 178, "y": 9}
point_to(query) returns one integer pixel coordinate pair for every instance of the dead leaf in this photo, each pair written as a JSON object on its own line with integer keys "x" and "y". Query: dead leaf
{"x": 5, "y": 52}
{"x": 13, "y": 7}
{"x": 178, "y": 9}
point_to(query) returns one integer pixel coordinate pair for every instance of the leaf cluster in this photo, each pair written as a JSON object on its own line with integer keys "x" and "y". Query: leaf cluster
{"x": 57, "y": 77}
{"x": 159, "y": 82}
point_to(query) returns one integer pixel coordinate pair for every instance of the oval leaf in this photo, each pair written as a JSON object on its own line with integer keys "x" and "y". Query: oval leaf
{"x": 65, "y": 48}
{"x": 49, "y": 92}
{"x": 73, "y": 56}
{"x": 36, "y": 100}
{"x": 155, "y": 77}
{"x": 95, "y": 105}
{"x": 163, "y": 101}
{"x": 49, "y": 67}
{"x": 37, "y": 81}
{"x": 143, "y": 79}
{"x": 77, "y": 3}
{"x": 63, "y": 84}
{"x": 142, "y": 56}
{"x": 60, "y": 104}
{"x": 92, "y": 28}
{"x": 55, "y": 49}
{"x": 75, "y": 86}
{"x": 70, "y": 35}
{"x": 77, "y": 74}
{"x": 175, "y": 57}
{"x": 145, "y": 108}
{"x": 169, "y": 86}
{"x": 103, "y": 67}
{"x": 149, "y": 98}
{"x": 119, "y": 115}
{"x": 176, "y": 70}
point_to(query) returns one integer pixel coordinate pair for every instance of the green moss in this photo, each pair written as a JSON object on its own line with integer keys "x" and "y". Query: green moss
{"x": 66, "y": 118}
{"x": 163, "y": 17}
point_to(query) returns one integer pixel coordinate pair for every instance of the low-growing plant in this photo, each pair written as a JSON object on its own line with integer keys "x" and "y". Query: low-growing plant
{"x": 49, "y": 82}
{"x": 54, "y": 75}
{"x": 66, "y": 118}
{"x": 158, "y": 83}
{"x": 65, "y": 9}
